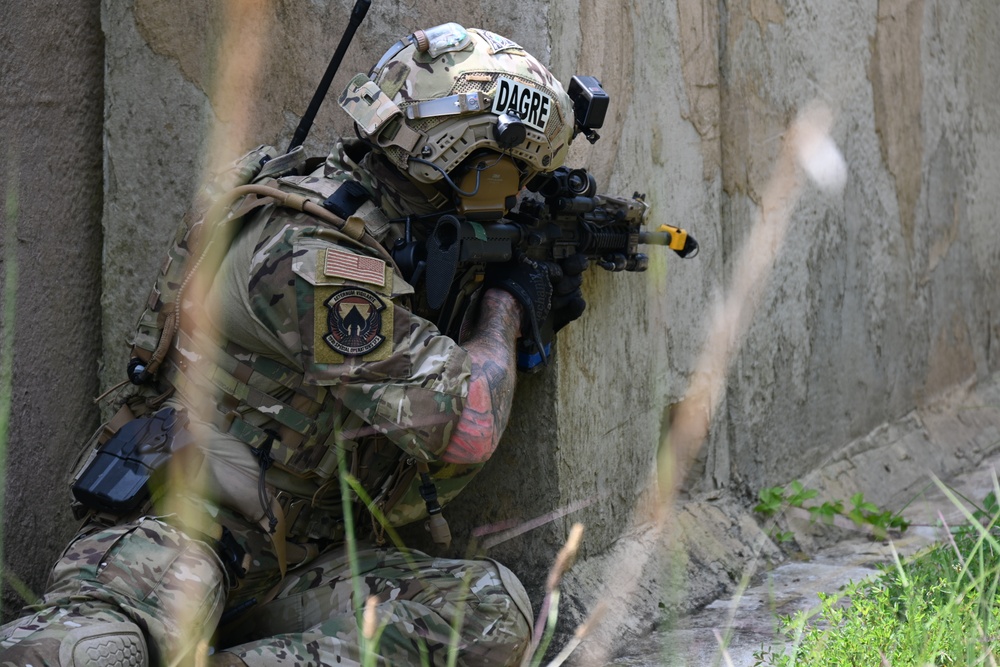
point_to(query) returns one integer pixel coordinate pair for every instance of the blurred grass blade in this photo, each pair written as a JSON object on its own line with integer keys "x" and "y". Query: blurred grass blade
{"x": 11, "y": 213}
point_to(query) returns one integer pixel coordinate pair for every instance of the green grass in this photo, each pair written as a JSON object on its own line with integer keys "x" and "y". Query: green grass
{"x": 939, "y": 608}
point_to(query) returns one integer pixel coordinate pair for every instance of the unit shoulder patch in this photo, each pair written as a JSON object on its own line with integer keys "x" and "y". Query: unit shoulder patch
{"x": 356, "y": 323}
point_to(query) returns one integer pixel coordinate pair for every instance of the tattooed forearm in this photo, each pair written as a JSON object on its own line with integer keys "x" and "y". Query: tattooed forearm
{"x": 491, "y": 389}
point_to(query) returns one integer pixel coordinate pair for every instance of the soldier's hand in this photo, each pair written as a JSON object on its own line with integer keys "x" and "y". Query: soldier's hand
{"x": 530, "y": 284}
{"x": 567, "y": 298}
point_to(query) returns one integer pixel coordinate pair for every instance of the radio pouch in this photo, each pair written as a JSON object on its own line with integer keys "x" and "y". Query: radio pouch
{"x": 127, "y": 470}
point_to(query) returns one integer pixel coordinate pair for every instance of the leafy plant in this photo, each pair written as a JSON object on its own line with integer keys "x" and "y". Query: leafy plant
{"x": 776, "y": 499}
{"x": 772, "y": 499}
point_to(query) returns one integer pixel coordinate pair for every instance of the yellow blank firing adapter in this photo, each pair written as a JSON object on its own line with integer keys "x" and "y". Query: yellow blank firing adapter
{"x": 680, "y": 241}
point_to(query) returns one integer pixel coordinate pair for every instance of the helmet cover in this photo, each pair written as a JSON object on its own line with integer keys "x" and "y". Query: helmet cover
{"x": 443, "y": 94}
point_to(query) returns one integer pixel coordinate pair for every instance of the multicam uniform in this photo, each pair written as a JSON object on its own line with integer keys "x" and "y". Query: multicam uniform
{"x": 320, "y": 362}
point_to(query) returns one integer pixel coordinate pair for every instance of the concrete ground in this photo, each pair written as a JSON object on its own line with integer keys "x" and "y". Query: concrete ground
{"x": 745, "y": 622}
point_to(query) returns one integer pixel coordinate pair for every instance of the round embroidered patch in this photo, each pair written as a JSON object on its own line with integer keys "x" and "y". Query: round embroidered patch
{"x": 354, "y": 323}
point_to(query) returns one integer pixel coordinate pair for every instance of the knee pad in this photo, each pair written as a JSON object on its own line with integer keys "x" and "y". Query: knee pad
{"x": 104, "y": 645}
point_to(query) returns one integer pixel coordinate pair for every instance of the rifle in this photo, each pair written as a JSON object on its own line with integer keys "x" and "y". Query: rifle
{"x": 561, "y": 216}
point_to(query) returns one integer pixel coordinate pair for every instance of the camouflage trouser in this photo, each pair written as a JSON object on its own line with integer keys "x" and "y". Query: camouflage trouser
{"x": 148, "y": 578}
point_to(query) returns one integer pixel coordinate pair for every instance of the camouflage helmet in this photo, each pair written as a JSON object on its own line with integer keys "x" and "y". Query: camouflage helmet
{"x": 445, "y": 93}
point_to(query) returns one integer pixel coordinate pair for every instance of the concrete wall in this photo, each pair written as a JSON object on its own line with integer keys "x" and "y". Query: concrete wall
{"x": 881, "y": 298}
{"x": 886, "y": 296}
{"x": 50, "y": 165}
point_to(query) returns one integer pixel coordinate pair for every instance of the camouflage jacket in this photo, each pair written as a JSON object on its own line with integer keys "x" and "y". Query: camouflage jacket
{"x": 306, "y": 351}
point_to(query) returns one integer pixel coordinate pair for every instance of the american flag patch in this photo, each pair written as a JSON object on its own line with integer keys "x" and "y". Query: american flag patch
{"x": 344, "y": 264}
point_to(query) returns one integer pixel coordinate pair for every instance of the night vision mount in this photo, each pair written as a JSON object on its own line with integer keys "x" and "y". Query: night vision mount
{"x": 590, "y": 105}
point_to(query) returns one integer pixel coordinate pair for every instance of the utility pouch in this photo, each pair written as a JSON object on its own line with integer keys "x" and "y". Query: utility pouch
{"x": 126, "y": 472}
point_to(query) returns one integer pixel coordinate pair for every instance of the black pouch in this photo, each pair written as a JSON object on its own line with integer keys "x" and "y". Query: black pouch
{"x": 124, "y": 472}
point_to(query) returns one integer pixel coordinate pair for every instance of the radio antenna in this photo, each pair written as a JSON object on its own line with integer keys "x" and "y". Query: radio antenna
{"x": 357, "y": 16}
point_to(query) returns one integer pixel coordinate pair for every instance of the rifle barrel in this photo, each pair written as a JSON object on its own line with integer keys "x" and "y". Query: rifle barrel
{"x": 655, "y": 238}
